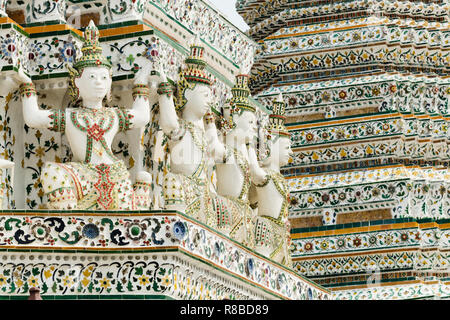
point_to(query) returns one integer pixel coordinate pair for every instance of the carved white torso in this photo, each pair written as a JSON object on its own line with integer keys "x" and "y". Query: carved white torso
{"x": 229, "y": 180}
{"x": 270, "y": 201}
{"x": 231, "y": 175}
{"x": 274, "y": 194}
{"x": 78, "y": 139}
{"x": 185, "y": 157}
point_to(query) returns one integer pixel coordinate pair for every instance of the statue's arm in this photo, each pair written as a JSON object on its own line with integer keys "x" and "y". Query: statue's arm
{"x": 139, "y": 114}
{"x": 216, "y": 148}
{"x": 34, "y": 117}
{"x": 168, "y": 119}
{"x": 259, "y": 175}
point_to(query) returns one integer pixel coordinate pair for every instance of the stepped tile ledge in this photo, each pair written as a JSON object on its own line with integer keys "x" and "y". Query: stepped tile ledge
{"x": 87, "y": 241}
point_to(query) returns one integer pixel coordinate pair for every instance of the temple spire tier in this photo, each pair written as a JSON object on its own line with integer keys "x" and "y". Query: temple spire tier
{"x": 366, "y": 87}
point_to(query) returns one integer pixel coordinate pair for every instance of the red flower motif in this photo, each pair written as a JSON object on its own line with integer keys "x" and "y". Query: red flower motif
{"x": 96, "y": 132}
{"x": 342, "y": 95}
{"x": 309, "y": 137}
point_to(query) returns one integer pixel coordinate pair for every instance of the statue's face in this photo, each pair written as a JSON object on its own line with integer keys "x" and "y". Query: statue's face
{"x": 198, "y": 100}
{"x": 285, "y": 151}
{"x": 246, "y": 125}
{"x": 281, "y": 151}
{"x": 94, "y": 83}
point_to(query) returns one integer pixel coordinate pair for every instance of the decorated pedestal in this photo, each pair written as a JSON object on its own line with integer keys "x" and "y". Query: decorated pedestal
{"x": 151, "y": 255}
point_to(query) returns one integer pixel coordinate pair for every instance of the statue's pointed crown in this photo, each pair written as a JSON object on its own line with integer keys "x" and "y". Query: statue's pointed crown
{"x": 241, "y": 93}
{"x": 238, "y": 103}
{"x": 194, "y": 73}
{"x": 277, "y": 119}
{"x": 196, "y": 65}
{"x": 92, "y": 52}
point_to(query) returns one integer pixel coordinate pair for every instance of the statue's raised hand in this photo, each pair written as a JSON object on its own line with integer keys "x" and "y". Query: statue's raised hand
{"x": 21, "y": 77}
{"x": 159, "y": 76}
{"x": 9, "y": 84}
{"x": 142, "y": 76}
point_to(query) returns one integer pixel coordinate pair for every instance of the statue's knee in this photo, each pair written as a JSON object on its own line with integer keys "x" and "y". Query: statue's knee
{"x": 58, "y": 186}
{"x": 173, "y": 192}
{"x": 53, "y": 177}
{"x": 62, "y": 199}
{"x": 142, "y": 189}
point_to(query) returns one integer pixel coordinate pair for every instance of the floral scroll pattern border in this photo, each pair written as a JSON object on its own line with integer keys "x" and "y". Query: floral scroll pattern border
{"x": 84, "y": 232}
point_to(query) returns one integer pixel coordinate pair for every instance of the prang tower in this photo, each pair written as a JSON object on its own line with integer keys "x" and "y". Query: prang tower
{"x": 367, "y": 87}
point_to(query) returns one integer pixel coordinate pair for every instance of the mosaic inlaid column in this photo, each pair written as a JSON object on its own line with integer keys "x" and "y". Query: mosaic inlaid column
{"x": 13, "y": 50}
{"x": 7, "y": 141}
{"x": 3, "y": 8}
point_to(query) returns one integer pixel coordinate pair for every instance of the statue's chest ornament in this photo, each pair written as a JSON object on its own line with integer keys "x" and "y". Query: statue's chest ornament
{"x": 244, "y": 166}
{"x": 282, "y": 187}
{"x": 96, "y": 124}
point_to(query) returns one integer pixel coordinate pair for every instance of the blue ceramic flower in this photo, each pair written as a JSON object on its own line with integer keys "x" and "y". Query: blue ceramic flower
{"x": 68, "y": 52}
{"x": 90, "y": 231}
{"x": 310, "y": 294}
{"x": 250, "y": 265}
{"x": 179, "y": 230}
{"x": 217, "y": 249}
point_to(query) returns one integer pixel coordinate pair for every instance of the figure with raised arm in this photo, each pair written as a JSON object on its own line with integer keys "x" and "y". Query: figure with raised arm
{"x": 96, "y": 179}
{"x": 272, "y": 227}
{"x": 186, "y": 186}
{"x": 236, "y": 163}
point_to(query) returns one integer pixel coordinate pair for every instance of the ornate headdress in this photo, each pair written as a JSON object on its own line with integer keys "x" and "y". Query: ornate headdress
{"x": 193, "y": 74}
{"x": 241, "y": 94}
{"x": 239, "y": 102}
{"x": 92, "y": 56}
{"x": 277, "y": 119}
{"x": 275, "y": 128}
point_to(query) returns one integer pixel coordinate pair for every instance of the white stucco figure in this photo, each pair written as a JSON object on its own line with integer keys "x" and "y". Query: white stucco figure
{"x": 272, "y": 227}
{"x": 236, "y": 163}
{"x": 186, "y": 187}
{"x": 96, "y": 179}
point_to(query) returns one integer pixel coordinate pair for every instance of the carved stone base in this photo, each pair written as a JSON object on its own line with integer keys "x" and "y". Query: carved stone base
{"x": 148, "y": 254}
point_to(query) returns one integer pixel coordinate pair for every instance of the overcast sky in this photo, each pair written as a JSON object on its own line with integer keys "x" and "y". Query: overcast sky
{"x": 227, "y": 7}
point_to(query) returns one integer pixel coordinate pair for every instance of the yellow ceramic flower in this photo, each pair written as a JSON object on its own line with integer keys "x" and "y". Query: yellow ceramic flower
{"x": 33, "y": 282}
{"x": 68, "y": 281}
{"x": 166, "y": 280}
{"x": 105, "y": 283}
{"x": 144, "y": 280}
